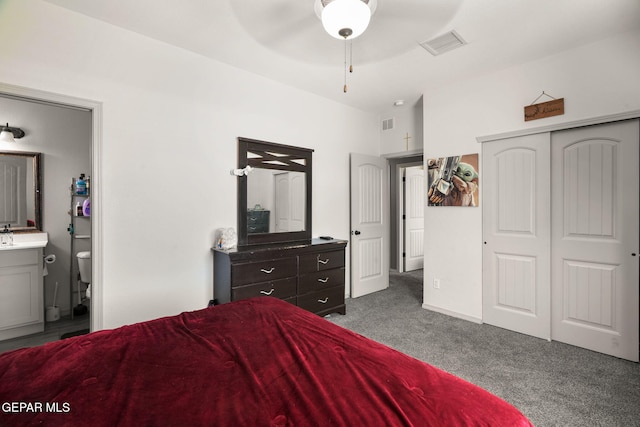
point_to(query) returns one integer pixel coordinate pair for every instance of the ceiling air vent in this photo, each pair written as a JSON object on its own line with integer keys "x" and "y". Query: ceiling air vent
{"x": 443, "y": 43}
{"x": 387, "y": 124}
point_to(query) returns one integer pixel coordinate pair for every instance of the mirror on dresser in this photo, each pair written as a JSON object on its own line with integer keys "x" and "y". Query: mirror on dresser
{"x": 20, "y": 193}
{"x": 274, "y": 196}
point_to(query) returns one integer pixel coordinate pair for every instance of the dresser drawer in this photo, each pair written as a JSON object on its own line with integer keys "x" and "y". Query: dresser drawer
{"x": 258, "y": 228}
{"x": 321, "y": 261}
{"x": 311, "y": 282}
{"x": 16, "y": 257}
{"x": 324, "y": 301}
{"x": 257, "y": 217}
{"x": 283, "y": 289}
{"x": 263, "y": 271}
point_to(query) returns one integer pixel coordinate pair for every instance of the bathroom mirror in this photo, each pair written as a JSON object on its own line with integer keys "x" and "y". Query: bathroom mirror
{"x": 274, "y": 197}
{"x": 20, "y": 194}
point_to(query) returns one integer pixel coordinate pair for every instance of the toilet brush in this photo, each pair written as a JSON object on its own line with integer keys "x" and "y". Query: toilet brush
{"x": 52, "y": 313}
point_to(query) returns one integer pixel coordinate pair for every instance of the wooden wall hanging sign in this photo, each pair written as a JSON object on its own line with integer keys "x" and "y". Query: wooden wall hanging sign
{"x": 544, "y": 109}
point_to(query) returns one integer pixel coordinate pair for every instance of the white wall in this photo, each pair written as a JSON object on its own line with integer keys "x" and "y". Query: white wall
{"x": 63, "y": 136}
{"x": 169, "y": 128}
{"x": 408, "y": 120}
{"x": 595, "y": 80}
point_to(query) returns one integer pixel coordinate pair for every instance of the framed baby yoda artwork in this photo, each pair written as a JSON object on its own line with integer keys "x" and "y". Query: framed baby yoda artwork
{"x": 453, "y": 181}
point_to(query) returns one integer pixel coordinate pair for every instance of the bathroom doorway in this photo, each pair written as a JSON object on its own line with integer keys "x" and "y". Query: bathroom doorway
{"x": 65, "y": 130}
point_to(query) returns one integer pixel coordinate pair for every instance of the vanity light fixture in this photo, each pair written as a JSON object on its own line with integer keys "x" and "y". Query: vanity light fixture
{"x": 9, "y": 134}
{"x": 242, "y": 172}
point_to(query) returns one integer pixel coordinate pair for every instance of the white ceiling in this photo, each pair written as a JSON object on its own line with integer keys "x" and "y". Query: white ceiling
{"x": 284, "y": 40}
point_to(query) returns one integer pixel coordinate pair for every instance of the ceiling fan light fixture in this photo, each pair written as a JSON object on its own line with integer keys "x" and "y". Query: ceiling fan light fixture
{"x": 346, "y": 19}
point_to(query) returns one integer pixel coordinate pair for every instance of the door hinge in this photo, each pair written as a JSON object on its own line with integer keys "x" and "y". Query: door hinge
{"x": 404, "y": 255}
{"x": 404, "y": 216}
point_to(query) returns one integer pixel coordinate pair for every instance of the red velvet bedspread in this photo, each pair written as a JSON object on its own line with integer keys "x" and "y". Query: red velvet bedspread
{"x": 258, "y": 362}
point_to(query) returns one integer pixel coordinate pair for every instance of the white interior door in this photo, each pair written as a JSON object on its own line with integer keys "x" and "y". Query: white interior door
{"x": 369, "y": 224}
{"x": 516, "y": 227}
{"x": 595, "y": 238}
{"x": 290, "y": 202}
{"x": 414, "y": 218}
{"x": 298, "y": 187}
{"x": 282, "y": 209}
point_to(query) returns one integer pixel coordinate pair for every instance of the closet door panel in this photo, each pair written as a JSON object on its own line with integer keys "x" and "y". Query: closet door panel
{"x": 516, "y": 265}
{"x": 594, "y": 234}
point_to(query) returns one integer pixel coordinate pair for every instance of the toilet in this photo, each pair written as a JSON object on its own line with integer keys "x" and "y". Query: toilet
{"x": 84, "y": 266}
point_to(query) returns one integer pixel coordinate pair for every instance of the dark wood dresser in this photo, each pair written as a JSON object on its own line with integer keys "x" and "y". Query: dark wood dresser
{"x": 309, "y": 275}
{"x": 258, "y": 221}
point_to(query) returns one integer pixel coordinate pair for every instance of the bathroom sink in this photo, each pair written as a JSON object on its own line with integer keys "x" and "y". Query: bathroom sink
{"x": 27, "y": 240}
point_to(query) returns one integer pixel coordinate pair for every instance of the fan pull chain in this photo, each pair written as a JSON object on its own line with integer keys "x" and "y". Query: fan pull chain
{"x": 351, "y": 57}
{"x": 345, "y": 66}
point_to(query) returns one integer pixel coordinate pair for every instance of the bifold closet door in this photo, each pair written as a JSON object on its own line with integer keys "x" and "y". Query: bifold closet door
{"x": 594, "y": 237}
{"x": 516, "y": 263}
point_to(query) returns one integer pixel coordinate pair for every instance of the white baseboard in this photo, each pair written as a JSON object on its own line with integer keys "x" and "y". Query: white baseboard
{"x": 452, "y": 313}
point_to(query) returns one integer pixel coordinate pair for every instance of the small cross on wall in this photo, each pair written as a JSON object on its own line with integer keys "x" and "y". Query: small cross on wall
{"x": 407, "y": 138}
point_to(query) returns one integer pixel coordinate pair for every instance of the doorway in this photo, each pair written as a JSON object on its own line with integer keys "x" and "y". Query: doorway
{"x": 397, "y": 170}
{"x": 411, "y": 219}
{"x": 95, "y": 109}
{"x": 391, "y": 171}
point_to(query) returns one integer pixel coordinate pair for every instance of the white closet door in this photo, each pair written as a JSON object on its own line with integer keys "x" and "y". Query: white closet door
{"x": 516, "y": 228}
{"x": 595, "y": 238}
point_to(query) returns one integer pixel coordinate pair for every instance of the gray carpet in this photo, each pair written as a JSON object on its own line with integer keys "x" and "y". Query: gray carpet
{"x": 553, "y": 384}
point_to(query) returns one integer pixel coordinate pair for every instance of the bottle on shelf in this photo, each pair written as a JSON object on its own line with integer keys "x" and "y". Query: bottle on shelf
{"x": 86, "y": 207}
{"x": 78, "y": 210}
{"x": 81, "y": 186}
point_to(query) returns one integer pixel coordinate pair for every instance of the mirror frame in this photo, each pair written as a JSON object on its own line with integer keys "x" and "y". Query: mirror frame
{"x": 288, "y": 153}
{"x": 37, "y": 190}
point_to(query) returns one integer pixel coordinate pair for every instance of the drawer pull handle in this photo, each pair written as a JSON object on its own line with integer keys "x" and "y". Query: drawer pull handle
{"x": 269, "y": 271}
{"x": 252, "y": 218}
{"x": 325, "y": 280}
{"x": 267, "y": 293}
{"x": 252, "y": 228}
{"x": 323, "y": 261}
{"x": 324, "y": 301}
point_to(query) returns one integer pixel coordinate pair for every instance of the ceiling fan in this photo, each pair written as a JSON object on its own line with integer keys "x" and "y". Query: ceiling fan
{"x": 293, "y": 28}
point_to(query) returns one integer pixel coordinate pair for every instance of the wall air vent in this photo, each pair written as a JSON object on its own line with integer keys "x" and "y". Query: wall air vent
{"x": 387, "y": 124}
{"x": 443, "y": 43}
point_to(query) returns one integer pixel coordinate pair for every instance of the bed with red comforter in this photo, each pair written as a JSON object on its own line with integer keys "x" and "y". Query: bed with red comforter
{"x": 257, "y": 362}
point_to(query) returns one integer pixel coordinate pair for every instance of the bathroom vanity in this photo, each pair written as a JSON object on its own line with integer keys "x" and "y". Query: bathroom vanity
{"x": 21, "y": 286}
